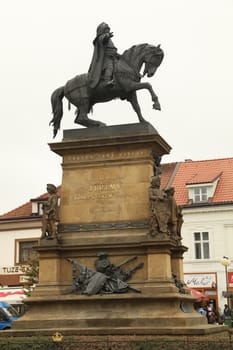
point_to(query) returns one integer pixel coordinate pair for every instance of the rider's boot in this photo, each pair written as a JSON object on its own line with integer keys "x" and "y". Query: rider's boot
{"x": 108, "y": 78}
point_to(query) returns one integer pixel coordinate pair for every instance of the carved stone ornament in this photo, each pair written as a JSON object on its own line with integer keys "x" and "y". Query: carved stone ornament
{"x": 106, "y": 279}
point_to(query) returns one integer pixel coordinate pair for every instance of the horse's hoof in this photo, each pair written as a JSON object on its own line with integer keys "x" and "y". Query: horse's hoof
{"x": 102, "y": 124}
{"x": 157, "y": 106}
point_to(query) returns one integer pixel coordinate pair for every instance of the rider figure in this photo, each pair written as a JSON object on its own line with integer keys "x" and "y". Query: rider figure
{"x": 104, "y": 56}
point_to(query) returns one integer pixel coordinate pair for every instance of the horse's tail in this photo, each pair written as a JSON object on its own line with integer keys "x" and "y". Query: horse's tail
{"x": 57, "y": 109}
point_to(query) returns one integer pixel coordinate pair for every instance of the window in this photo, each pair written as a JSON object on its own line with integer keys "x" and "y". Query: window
{"x": 37, "y": 207}
{"x": 200, "y": 194}
{"x": 25, "y": 251}
{"x": 201, "y": 245}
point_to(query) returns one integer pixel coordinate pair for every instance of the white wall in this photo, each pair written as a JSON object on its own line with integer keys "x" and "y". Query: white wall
{"x": 218, "y": 221}
{"x": 7, "y": 243}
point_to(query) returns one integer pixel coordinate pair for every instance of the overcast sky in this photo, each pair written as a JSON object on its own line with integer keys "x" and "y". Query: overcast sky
{"x": 45, "y": 43}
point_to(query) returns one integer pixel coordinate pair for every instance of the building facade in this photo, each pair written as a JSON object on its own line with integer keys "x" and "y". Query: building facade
{"x": 205, "y": 191}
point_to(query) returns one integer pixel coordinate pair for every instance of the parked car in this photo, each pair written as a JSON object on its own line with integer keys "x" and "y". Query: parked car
{"x": 7, "y": 315}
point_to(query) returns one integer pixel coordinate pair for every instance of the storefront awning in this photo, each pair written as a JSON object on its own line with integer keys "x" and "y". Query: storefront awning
{"x": 12, "y": 295}
{"x": 197, "y": 294}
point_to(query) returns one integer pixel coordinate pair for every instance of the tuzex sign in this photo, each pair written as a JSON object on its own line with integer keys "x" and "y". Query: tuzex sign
{"x": 13, "y": 270}
{"x": 200, "y": 280}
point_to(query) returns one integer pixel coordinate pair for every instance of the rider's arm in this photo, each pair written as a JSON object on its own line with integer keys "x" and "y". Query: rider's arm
{"x": 106, "y": 37}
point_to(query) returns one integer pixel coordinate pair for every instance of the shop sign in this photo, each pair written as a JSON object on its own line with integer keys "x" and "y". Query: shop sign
{"x": 227, "y": 294}
{"x": 200, "y": 280}
{"x": 13, "y": 270}
{"x": 210, "y": 292}
{"x": 23, "y": 279}
{"x": 230, "y": 279}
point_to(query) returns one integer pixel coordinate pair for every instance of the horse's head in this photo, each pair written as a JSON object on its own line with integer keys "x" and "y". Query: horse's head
{"x": 153, "y": 58}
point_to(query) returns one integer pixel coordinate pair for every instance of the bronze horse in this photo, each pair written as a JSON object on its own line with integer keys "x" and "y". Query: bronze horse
{"x": 126, "y": 82}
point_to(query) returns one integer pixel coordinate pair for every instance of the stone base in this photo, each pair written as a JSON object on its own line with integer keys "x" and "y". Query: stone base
{"x": 129, "y": 313}
{"x": 105, "y": 207}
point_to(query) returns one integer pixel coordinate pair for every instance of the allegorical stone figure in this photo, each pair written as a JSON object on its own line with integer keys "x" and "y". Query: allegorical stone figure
{"x": 50, "y": 217}
{"x": 159, "y": 208}
{"x": 175, "y": 219}
{"x": 173, "y": 211}
{"x": 104, "y": 56}
{"x": 166, "y": 214}
{"x": 157, "y": 166}
{"x": 180, "y": 221}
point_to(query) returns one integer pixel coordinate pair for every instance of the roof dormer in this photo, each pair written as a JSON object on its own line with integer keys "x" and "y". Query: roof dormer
{"x": 37, "y": 206}
{"x": 201, "y": 187}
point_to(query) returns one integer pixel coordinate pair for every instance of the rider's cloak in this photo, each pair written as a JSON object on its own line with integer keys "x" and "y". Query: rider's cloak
{"x": 96, "y": 66}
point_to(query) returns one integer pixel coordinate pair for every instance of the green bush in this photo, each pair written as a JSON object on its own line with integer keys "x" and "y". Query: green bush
{"x": 117, "y": 343}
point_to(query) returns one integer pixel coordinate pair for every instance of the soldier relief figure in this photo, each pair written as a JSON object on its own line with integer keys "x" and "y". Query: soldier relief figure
{"x": 50, "y": 217}
{"x": 166, "y": 215}
{"x": 111, "y": 75}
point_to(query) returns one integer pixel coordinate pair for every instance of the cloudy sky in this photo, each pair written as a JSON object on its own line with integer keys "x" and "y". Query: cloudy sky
{"x": 45, "y": 43}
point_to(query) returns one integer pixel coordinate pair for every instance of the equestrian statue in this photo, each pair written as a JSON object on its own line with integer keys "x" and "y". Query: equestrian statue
{"x": 110, "y": 76}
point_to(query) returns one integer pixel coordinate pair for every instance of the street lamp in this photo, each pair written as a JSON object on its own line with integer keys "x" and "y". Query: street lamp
{"x": 225, "y": 261}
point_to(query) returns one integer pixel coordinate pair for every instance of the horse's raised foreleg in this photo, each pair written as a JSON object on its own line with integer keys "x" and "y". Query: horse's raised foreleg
{"x": 154, "y": 97}
{"x": 134, "y": 102}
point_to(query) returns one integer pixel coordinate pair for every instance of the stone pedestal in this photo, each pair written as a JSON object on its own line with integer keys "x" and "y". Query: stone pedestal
{"x": 105, "y": 207}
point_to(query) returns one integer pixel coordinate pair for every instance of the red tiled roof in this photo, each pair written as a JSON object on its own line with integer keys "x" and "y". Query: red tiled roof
{"x": 168, "y": 170}
{"x": 205, "y": 171}
{"x": 203, "y": 177}
{"x": 24, "y": 210}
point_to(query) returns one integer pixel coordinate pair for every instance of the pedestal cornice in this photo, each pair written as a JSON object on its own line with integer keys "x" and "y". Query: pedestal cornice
{"x": 110, "y": 136}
